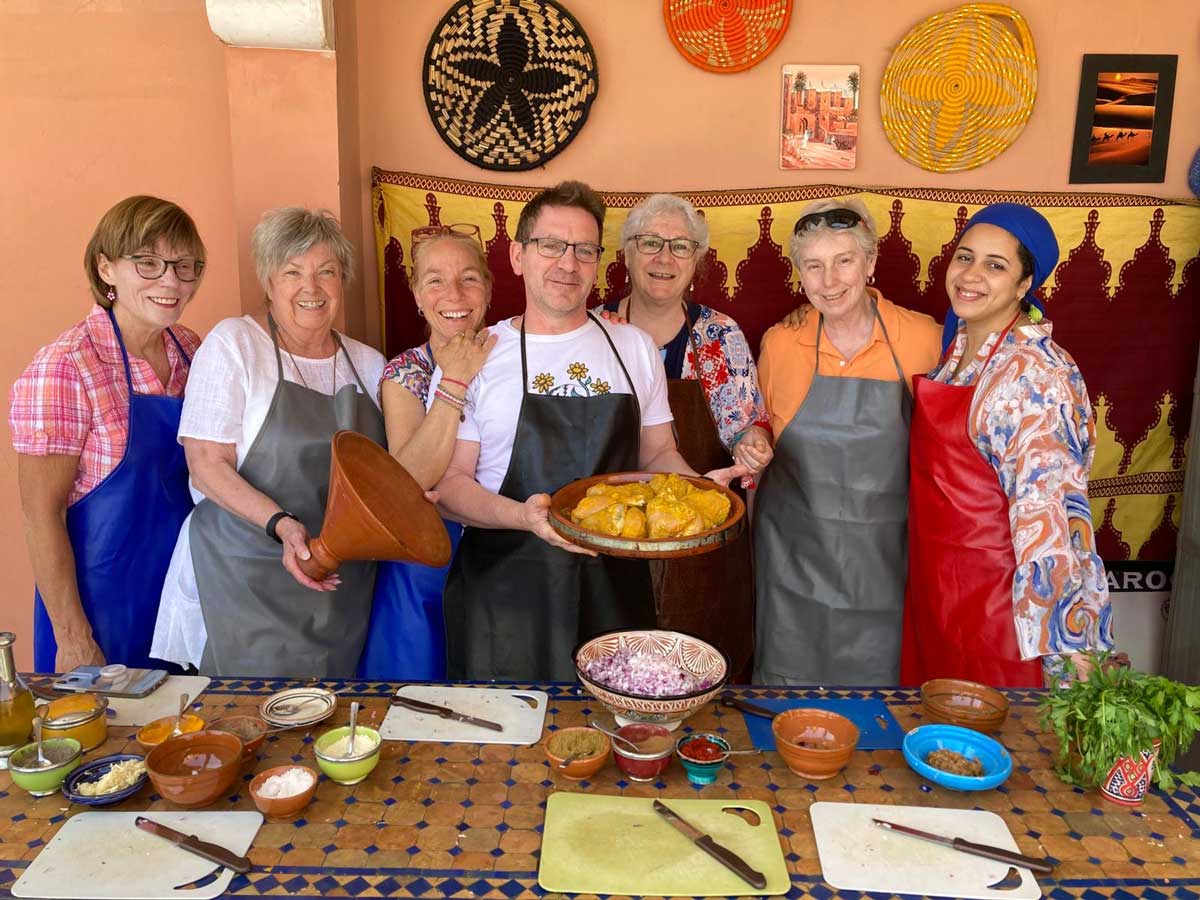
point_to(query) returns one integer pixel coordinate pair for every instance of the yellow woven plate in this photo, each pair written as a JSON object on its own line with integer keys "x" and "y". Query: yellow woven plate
{"x": 960, "y": 87}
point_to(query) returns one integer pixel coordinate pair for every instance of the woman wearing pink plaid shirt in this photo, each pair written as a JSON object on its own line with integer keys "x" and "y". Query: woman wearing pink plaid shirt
{"x": 94, "y": 418}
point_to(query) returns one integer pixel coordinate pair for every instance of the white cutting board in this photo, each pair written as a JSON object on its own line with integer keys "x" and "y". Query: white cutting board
{"x": 103, "y": 856}
{"x": 511, "y": 708}
{"x": 858, "y": 855}
{"x": 162, "y": 701}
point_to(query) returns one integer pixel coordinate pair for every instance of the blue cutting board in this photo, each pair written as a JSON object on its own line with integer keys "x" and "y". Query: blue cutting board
{"x": 872, "y": 734}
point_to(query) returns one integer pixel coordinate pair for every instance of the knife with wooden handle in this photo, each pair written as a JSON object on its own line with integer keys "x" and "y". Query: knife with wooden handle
{"x": 752, "y": 709}
{"x": 433, "y": 709}
{"x": 189, "y": 842}
{"x": 1011, "y": 857}
{"x": 723, "y": 855}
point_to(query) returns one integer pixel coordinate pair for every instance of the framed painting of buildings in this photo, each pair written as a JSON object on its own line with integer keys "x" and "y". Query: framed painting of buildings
{"x": 1123, "y": 121}
{"x": 819, "y": 117}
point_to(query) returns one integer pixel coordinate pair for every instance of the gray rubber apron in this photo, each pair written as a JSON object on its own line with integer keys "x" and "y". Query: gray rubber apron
{"x": 515, "y": 605}
{"x": 830, "y": 532}
{"x": 260, "y": 620}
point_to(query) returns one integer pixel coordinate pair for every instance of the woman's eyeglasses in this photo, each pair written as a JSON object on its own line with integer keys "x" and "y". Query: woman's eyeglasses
{"x": 151, "y": 267}
{"x": 466, "y": 229}
{"x": 554, "y": 248}
{"x": 837, "y": 219}
{"x": 652, "y": 244}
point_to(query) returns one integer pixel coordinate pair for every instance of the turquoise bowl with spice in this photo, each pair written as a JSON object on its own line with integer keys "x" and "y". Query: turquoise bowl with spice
{"x": 703, "y": 755}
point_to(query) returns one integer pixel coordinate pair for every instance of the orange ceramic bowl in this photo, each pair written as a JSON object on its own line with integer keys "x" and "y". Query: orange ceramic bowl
{"x": 282, "y": 807}
{"x": 195, "y": 769}
{"x": 815, "y": 744}
{"x": 584, "y": 766}
{"x": 251, "y": 730}
{"x": 952, "y": 701}
{"x": 153, "y": 734}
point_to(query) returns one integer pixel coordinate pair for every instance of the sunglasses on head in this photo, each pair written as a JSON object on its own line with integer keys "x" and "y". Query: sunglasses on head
{"x": 838, "y": 219}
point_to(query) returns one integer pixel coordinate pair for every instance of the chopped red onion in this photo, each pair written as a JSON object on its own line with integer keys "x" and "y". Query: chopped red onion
{"x": 645, "y": 674}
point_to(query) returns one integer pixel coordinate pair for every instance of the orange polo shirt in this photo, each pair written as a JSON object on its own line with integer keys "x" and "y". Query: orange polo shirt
{"x": 786, "y": 357}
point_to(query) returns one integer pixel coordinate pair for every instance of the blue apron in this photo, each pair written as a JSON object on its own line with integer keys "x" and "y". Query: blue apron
{"x": 406, "y": 640}
{"x": 124, "y": 531}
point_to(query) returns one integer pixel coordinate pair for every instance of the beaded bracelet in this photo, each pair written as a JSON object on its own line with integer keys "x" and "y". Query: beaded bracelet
{"x": 451, "y": 400}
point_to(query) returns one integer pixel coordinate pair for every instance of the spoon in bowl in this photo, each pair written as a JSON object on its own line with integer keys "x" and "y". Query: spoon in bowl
{"x": 353, "y": 726}
{"x": 570, "y": 759}
{"x": 183, "y": 705}
{"x": 42, "y": 762}
{"x": 635, "y": 748}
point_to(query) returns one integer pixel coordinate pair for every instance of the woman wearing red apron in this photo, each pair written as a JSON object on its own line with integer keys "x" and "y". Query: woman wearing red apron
{"x": 94, "y": 420}
{"x": 1003, "y": 576}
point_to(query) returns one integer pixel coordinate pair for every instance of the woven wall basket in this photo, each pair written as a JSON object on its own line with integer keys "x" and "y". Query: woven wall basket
{"x": 960, "y": 87}
{"x": 509, "y": 83}
{"x": 726, "y": 35}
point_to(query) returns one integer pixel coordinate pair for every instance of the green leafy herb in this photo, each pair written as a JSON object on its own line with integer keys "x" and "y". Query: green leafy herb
{"x": 1119, "y": 712}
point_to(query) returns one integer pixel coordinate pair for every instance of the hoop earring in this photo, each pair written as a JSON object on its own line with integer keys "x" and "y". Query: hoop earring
{"x": 871, "y": 279}
{"x": 420, "y": 312}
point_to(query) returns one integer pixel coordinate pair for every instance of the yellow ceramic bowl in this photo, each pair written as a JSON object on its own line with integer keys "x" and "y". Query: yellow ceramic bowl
{"x": 82, "y": 717}
{"x": 150, "y": 736}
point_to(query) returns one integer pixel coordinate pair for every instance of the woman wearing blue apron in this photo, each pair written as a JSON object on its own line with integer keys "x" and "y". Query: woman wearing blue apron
{"x": 94, "y": 419}
{"x": 422, "y": 393}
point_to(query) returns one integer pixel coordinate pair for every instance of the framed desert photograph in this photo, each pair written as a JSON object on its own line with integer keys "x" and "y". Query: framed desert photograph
{"x": 819, "y": 120}
{"x": 1123, "y": 123}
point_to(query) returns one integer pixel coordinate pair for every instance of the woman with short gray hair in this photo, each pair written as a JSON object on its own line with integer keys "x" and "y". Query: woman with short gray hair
{"x": 268, "y": 392}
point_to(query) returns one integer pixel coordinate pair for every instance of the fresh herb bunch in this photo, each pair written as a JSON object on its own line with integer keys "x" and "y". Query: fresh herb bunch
{"x": 1119, "y": 712}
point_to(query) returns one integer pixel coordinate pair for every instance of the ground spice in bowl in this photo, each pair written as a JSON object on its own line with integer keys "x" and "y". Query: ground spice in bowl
{"x": 580, "y": 744}
{"x": 955, "y": 763}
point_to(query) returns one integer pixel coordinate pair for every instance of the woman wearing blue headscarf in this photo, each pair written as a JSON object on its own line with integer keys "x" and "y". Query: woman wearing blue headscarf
{"x": 1003, "y": 575}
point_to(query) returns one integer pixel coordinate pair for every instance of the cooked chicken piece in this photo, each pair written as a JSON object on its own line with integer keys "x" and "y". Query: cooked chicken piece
{"x": 609, "y": 520}
{"x": 672, "y": 485}
{"x": 668, "y": 517}
{"x": 601, "y": 489}
{"x": 636, "y": 493}
{"x": 713, "y": 507}
{"x": 635, "y": 523}
{"x": 591, "y": 505}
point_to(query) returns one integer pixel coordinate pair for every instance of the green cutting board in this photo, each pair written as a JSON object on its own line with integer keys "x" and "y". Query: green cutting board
{"x": 594, "y": 844}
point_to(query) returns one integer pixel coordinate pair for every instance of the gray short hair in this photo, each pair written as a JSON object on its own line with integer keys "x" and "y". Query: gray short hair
{"x": 864, "y": 232}
{"x": 666, "y": 204}
{"x": 282, "y": 234}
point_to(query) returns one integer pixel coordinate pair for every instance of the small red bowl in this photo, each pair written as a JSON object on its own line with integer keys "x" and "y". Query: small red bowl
{"x": 642, "y": 766}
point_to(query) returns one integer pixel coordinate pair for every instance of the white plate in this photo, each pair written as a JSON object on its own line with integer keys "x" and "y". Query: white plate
{"x": 314, "y": 705}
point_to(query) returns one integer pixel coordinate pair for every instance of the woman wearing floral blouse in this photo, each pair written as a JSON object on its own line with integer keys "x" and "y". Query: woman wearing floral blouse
{"x": 1004, "y": 579}
{"x": 713, "y": 390}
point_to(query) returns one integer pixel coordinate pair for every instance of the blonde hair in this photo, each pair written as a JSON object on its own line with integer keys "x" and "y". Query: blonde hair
{"x": 864, "y": 232}
{"x": 470, "y": 241}
{"x": 138, "y": 223}
{"x": 283, "y": 234}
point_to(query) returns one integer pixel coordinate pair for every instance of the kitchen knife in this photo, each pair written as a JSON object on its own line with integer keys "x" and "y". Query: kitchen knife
{"x": 212, "y": 852}
{"x": 747, "y": 707}
{"x": 1005, "y": 856}
{"x": 444, "y": 711}
{"x": 723, "y": 855}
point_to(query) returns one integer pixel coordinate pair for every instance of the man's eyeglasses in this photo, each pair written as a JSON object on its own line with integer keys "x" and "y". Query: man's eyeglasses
{"x": 466, "y": 229}
{"x": 838, "y": 219}
{"x": 554, "y": 248}
{"x": 151, "y": 267}
{"x": 651, "y": 244}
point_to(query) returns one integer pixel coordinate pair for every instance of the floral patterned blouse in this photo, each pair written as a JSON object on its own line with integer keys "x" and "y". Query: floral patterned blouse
{"x": 1032, "y": 421}
{"x": 725, "y": 369}
{"x": 412, "y": 370}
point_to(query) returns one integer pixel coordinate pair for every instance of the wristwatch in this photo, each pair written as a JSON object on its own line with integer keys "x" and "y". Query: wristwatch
{"x": 274, "y": 521}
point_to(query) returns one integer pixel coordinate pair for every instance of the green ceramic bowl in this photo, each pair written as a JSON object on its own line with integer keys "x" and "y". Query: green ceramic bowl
{"x": 64, "y": 753}
{"x": 352, "y": 769}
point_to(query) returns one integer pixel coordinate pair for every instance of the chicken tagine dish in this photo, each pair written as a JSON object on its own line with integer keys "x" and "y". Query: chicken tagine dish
{"x": 666, "y": 506}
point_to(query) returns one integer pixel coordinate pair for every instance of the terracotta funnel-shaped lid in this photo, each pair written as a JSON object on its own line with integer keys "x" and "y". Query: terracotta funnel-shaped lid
{"x": 375, "y": 510}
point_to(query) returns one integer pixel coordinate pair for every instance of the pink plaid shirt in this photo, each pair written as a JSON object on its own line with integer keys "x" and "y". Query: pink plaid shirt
{"x": 72, "y": 399}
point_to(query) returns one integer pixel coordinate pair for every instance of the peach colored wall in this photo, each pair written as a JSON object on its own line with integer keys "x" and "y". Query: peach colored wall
{"x": 99, "y": 101}
{"x": 660, "y": 123}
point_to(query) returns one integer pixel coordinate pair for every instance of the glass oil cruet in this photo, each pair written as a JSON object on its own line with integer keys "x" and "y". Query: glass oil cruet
{"x": 16, "y": 702}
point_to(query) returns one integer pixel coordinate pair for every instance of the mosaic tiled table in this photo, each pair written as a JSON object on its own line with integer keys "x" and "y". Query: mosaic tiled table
{"x": 461, "y": 820}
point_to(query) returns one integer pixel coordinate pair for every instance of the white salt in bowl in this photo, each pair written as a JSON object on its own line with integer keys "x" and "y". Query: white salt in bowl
{"x": 288, "y": 805}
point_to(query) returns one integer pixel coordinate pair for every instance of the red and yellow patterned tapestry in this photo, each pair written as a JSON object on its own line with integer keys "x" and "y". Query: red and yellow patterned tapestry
{"x": 1125, "y": 301}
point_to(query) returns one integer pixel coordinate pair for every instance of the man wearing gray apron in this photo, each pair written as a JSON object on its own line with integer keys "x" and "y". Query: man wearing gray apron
{"x": 830, "y": 535}
{"x": 259, "y": 619}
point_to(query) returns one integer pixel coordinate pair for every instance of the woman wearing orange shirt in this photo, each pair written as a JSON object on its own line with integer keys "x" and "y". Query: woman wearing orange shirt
{"x": 831, "y": 511}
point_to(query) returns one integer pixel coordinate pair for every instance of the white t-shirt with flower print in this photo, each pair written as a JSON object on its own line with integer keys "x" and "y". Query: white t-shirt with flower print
{"x": 579, "y": 363}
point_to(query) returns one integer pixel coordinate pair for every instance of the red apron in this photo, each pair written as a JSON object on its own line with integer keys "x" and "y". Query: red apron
{"x": 958, "y": 607}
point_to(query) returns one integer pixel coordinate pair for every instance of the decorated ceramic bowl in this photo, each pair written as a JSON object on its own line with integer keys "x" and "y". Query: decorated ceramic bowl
{"x": 93, "y": 772}
{"x": 692, "y": 656}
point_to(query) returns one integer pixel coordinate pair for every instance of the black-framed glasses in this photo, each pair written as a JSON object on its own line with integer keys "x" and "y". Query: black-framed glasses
{"x": 652, "y": 244}
{"x": 150, "y": 266}
{"x": 838, "y": 219}
{"x": 554, "y": 248}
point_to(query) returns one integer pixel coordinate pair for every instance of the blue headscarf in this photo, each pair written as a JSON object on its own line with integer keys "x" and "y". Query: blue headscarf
{"x": 1035, "y": 234}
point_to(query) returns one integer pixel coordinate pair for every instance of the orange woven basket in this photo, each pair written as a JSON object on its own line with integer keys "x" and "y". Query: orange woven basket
{"x": 726, "y": 35}
{"x": 960, "y": 87}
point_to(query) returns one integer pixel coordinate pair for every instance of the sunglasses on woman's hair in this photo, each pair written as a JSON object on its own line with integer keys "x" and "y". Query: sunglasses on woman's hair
{"x": 426, "y": 232}
{"x": 838, "y": 219}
